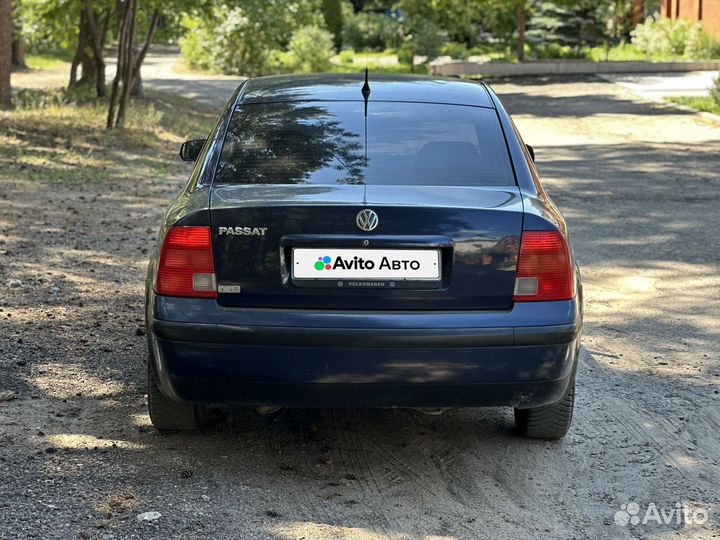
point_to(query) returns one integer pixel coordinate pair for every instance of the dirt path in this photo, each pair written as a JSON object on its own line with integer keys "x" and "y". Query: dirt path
{"x": 639, "y": 185}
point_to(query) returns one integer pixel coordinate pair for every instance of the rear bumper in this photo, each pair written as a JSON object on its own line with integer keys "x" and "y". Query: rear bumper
{"x": 364, "y": 359}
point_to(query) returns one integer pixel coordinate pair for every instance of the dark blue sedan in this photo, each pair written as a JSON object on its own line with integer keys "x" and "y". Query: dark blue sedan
{"x": 363, "y": 243}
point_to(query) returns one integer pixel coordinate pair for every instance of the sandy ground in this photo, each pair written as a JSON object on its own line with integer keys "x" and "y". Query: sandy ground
{"x": 639, "y": 185}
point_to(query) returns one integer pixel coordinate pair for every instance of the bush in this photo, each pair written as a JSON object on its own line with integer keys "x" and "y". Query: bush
{"x": 244, "y": 40}
{"x": 715, "y": 90}
{"x": 405, "y": 55}
{"x": 311, "y": 49}
{"x": 700, "y": 44}
{"x": 552, "y": 51}
{"x": 372, "y": 31}
{"x": 194, "y": 44}
{"x": 423, "y": 38}
{"x": 456, "y": 51}
{"x": 674, "y": 38}
{"x": 347, "y": 56}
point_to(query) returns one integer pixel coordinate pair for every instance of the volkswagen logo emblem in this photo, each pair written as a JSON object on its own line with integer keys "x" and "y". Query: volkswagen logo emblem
{"x": 367, "y": 220}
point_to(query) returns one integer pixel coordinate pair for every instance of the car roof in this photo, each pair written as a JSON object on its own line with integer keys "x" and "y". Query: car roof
{"x": 383, "y": 87}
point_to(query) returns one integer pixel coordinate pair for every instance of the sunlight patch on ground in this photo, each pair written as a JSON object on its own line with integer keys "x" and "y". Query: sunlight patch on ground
{"x": 79, "y": 441}
{"x": 673, "y": 290}
{"x": 309, "y": 529}
{"x": 58, "y": 380}
{"x": 141, "y": 420}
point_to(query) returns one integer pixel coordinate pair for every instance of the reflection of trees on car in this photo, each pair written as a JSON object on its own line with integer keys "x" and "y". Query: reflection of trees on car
{"x": 503, "y": 254}
{"x": 285, "y": 143}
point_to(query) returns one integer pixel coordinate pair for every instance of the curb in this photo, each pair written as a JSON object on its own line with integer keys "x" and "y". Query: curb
{"x": 459, "y": 68}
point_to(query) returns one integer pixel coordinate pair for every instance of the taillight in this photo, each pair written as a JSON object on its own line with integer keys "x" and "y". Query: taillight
{"x": 186, "y": 265}
{"x": 545, "y": 271}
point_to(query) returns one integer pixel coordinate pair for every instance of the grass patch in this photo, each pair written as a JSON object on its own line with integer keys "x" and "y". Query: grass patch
{"x": 51, "y": 140}
{"x": 420, "y": 69}
{"x": 48, "y": 61}
{"x": 704, "y": 104}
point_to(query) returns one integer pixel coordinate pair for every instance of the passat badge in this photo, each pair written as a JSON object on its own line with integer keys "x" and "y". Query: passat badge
{"x": 242, "y": 231}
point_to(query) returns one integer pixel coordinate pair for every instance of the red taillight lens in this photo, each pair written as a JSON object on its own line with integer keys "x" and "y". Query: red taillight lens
{"x": 545, "y": 272}
{"x": 186, "y": 266}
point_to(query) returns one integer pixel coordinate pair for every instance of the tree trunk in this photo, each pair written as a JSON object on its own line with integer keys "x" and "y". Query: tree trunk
{"x": 127, "y": 15}
{"x": 128, "y": 67}
{"x": 521, "y": 16}
{"x": 137, "y": 86}
{"x": 638, "y": 12}
{"x": 130, "y": 61}
{"x": 18, "y": 53}
{"x": 18, "y": 42}
{"x": 82, "y": 58}
{"x": 5, "y": 53}
{"x": 96, "y": 44}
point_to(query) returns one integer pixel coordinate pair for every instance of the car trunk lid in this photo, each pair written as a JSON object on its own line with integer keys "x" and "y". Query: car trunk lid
{"x": 475, "y": 232}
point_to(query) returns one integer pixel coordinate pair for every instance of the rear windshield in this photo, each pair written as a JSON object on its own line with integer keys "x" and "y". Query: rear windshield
{"x": 335, "y": 143}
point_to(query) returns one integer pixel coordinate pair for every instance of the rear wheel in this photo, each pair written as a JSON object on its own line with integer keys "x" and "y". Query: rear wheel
{"x": 549, "y": 421}
{"x": 168, "y": 415}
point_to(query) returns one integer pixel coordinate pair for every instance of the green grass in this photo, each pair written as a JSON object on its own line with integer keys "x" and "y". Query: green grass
{"x": 626, "y": 52}
{"x": 56, "y": 140}
{"x": 420, "y": 69}
{"x": 704, "y": 104}
{"x": 47, "y": 61}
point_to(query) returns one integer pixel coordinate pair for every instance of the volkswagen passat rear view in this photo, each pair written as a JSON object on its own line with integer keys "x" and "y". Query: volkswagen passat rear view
{"x": 363, "y": 242}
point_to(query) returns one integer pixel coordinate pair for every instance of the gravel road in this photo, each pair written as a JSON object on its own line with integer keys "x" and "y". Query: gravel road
{"x": 640, "y": 186}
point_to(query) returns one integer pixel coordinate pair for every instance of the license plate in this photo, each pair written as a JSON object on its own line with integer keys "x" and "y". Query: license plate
{"x": 373, "y": 264}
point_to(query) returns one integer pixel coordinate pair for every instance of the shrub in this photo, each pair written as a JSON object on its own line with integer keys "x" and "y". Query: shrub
{"x": 194, "y": 44}
{"x": 457, "y": 51}
{"x": 553, "y": 51}
{"x": 715, "y": 90}
{"x": 423, "y": 38}
{"x": 700, "y": 44}
{"x": 405, "y": 55}
{"x": 311, "y": 49}
{"x": 243, "y": 39}
{"x": 347, "y": 56}
{"x": 674, "y": 38}
{"x": 367, "y": 30}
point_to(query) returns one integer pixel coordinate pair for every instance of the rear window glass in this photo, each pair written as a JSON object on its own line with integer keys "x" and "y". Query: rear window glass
{"x": 334, "y": 143}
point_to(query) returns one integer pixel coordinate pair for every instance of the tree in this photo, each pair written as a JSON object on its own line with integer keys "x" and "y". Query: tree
{"x": 521, "y": 7}
{"x": 5, "y": 53}
{"x": 96, "y": 44}
{"x": 572, "y": 23}
{"x": 84, "y": 57}
{"x": 18, "y": 40}
{"x": 129, "y": 61}
{"x": 241, "y": 37}
{"x": 332, "y": 12}
{"x": 638, "y": 13}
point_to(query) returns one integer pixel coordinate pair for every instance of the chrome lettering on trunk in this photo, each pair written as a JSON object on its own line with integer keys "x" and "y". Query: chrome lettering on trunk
{"x": 242, "y": 231}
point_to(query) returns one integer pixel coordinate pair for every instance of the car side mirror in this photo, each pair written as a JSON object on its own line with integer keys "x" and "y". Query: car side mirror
{"x": 531, "y": 150}
{"x": 190, "y": 150}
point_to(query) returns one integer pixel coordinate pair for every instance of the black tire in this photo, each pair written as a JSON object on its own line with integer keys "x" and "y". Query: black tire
{"x": 549, "y": 421}
{"x": 168, "y": 415}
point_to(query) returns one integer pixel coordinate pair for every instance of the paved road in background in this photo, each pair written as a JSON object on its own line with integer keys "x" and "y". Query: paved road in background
{"x": 656, "y": 86}
{"x": 639, "y": 186}
{"x": 162, "y": 71}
